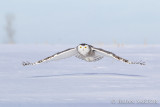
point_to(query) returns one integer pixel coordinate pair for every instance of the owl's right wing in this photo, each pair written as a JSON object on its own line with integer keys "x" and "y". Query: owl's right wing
{"x": 60, "y": 55}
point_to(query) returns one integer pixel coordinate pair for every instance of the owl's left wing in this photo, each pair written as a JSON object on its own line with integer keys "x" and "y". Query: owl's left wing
{"x": 107, "y": 53}
{"x": 60, "y": 55}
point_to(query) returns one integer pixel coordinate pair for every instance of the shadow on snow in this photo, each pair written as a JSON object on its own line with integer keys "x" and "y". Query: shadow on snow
{"x": 88, "y": 74}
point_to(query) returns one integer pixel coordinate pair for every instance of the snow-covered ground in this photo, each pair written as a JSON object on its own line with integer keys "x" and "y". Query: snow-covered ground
{"x": 74, "y": 82}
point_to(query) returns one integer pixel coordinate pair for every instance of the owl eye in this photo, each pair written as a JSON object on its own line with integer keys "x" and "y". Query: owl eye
{"x": 85, "y": 47}
{"x": 80, "y": 47}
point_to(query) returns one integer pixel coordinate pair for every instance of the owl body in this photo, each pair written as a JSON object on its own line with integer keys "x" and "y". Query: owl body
{"x": 86, "y": 53}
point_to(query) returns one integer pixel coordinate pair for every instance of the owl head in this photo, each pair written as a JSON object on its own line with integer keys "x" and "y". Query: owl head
{"x": 83, "y": 49}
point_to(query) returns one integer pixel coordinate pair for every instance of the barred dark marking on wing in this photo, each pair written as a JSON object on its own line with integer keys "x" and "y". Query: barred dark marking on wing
{"x": 97, "y": 58}
{"x": 53, "y": 56}
{"x": 104, "y": 52}
{"x": 80, "y": 56}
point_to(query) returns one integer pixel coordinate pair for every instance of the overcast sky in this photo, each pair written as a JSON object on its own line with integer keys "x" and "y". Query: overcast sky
{"x": 78, "y": 21}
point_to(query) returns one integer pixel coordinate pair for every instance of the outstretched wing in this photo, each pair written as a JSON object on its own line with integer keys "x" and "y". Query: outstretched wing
{"x": 60, "y": 55}
{"x": 107, "y": 53}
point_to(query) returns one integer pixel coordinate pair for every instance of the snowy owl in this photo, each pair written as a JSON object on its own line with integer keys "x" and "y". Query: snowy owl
{"x": 85, "y": 52}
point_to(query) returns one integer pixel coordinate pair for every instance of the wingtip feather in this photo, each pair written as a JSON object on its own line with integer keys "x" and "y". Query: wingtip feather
{"x": 26, "y": 63}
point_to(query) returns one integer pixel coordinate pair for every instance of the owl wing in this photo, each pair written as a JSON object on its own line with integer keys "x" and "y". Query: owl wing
{"x": 107, "y": 53}
{"x": 60, "y": 55}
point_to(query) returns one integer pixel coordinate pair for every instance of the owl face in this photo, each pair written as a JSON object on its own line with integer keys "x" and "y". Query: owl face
{"x": 83, "y": 49}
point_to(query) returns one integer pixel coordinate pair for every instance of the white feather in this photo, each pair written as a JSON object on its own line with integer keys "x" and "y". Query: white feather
{"x": 60, "y": 55}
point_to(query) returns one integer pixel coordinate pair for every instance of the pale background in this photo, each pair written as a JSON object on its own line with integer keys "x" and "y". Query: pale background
{"x": 77, "y": 21}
